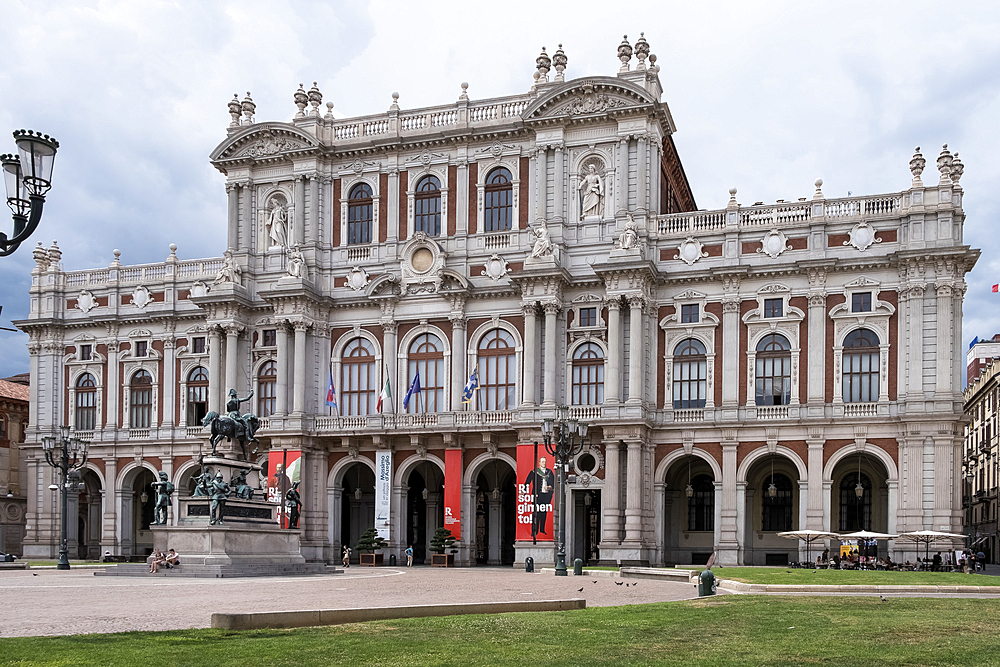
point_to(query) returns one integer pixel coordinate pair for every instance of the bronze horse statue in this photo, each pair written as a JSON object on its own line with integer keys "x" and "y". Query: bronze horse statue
{"x": 241, "y": 430}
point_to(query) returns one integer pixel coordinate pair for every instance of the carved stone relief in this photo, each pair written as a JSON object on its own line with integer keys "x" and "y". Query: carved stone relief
{"x": 496, "y": 267}
{"x": 86, "y": 301}
{"x": 773, "y": 244}
{"x": 862, "y": 236}
{"x": 690, "y": 251}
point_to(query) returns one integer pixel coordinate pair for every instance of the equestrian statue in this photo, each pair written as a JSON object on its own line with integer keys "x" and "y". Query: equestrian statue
{"x": 235, "y": 426}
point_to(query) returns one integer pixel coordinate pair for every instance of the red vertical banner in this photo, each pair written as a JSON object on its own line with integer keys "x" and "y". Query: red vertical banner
{"x": 453, "y": 492}
{"x": 535, "y": 489}
{"x": 284, "y": 468}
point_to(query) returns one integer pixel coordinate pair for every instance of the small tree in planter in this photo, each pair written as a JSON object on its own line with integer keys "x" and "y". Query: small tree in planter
{"x": 369, "y": 542}
{"x": 443, "y": 541}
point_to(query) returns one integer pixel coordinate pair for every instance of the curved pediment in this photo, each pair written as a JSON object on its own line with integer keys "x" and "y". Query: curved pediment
{"x": 262, "y": 141}
{"x": 590, "y": 96}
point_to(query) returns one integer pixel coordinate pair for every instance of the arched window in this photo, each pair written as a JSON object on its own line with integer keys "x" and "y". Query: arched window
{"x": 267, "y": 388}
{"x": 777, "y": 509}
{"x": 499, "y": 193}
{"x": 588, "y": 375}
{"x": 496, "y": 372}
{"x": 140, "y": 400}
{"x": 358, "y": 378}
{"x": 774, "y": 370}
{"x": 690, "y": 375}
{"x": 197, "y": 395}
{"x": 427, "y": 206}
{"x": 861, "y": 358}
{"x": 85, "y": 414}
{"x": 360, "y": 206}
{"x": 3, "y": 428}
{"x": 701, "y": 505}
{"x": 855, "y": 512}
{"x": 427, "y": 356}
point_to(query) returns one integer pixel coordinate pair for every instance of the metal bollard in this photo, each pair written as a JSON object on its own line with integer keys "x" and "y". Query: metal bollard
{"x": 577, "y": 567}
{"x": 706, "y": 583}
{"x": 529, "y": 564}
{"x": 392, "y": 560}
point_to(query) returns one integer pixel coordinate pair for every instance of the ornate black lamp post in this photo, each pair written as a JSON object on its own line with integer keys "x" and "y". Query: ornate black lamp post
{"x": 69, "y": 459}
{"x": 28, "y": 176}
{"x": 561, "y": 444}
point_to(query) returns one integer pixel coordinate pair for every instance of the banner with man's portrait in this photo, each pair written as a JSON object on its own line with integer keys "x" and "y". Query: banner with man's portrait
{"x": 536, "y": 482}
{"x": 284, "y": 468}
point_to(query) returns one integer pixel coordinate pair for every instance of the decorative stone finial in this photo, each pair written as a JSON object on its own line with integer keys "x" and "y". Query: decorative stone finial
{"x": 732, "y": 199}
{"x": 173, "y": 252}
{"x": 118, "y": 255}
{"x": 536, "y": 75}
{"x": 395, "y": 102}
{"x": 234, "y": 110}
{"x": 315, "y": 99}
{"x": 248, "y": 109}
{"x": 957, "y": 169}
{"x": 944, "y": 164}
{"x": 624, "y": 54}
{"x": 544, "y": 63}
{"x": 329, "y": 111}
{"x": 559, "y": 61}
{"x": 819, "y": 189}
{"x": 641, "y": 51}
{"x": 301, "y": 100}
{"x": 55, "y": 255}
{"x": 41, "y": 257}
{"x": 465, "y": 91}
{"x": 917, "y": 163}
{"x": 653, "y": 67}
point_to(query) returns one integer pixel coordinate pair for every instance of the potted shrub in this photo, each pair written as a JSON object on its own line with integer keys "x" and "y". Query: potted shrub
{"x": 443, "y": 541}
{"x": 370, "y": 542}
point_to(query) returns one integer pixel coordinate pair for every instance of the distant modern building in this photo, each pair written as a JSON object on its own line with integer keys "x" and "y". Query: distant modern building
{"x": 981, "y": 461}
{"x": 14, "y": 395}
{"x": 744, "y": 371}
{"x": 981, "y": 353}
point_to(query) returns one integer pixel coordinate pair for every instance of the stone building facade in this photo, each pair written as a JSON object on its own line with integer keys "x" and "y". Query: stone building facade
{"x": 981, "y": 461}
{"x": 13, "y": 428}
{"x": 742, "y": 370}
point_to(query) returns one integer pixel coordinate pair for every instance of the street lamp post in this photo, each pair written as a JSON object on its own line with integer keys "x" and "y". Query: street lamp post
{"x": 561, "y": 444}
{"x": 68, "y": 459}
{"x": 27, "y": 177}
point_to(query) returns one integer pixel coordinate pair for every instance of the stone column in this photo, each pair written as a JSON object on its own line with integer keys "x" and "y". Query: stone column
{"x": 943, "y": 388}
{"x": 611, "y": 526}
{"x": 109, "y": 518}
{"x": 560, "y": 186}
{"x": 613, "y": 378}
{"x": 814, "y": 493}
{"x": 299, "y": 374}
{"x": 730, "y": 353}
{"x": 551, "y": 347}
{"x": 281, "y": 383}
{"x": 495, "y": 509}
{"x": 394, "y": 213}
{"x": 389, "y": 357}
{"x": 169, "y": 397}
{"x": 635, "y": 385}
{"x": 232, "y": 360}
{"x": 816, "y": 346}
{"x": 642, "y": 184}
{"x": 298, "y": 219}
{"x": 621, "y": 176}
{"x": 233, "y": 190}
{"x": 243, "y": 231}
{"x": 530, "y": 357}
{"x": 633, "y": 493}
{"x": 113, "y": 386}
{"x": 313, "y": 226}
{"x": 915, "y": 311}
{"x": 729, "y": 546}
{"x": 214, "y": 369}
{"x": 314, "y": 509}
{"x": 540, "y": 182}
{"x": 458, "y": 361}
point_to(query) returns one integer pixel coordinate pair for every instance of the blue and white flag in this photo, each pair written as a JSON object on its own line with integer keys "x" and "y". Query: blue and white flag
{"x": 414, "y": 389}
{"x": 471, "y": 386}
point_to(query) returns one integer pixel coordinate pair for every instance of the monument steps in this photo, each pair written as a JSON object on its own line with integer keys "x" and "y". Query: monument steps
{"x": 219, "y": 571}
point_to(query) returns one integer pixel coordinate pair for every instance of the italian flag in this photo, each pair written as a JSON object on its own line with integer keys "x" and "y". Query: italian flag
{"x": 385, "y": 398}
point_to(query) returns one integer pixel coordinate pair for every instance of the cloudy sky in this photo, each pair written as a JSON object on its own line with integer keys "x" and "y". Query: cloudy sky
{"x": 767, "y": 96}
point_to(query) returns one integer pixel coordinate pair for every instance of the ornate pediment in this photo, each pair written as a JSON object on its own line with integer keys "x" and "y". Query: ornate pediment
{"x": 590, "y": 96}
{"x": 263, "y": 141}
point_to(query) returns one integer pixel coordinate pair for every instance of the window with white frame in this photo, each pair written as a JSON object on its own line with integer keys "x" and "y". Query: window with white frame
{"x": 690, "y": 313}
{"x": 861, "y": 302}
{"x": 358, "y": 378}
{"x": 141, "y": 348}
{"x": 267, "y": 388}
{"x": 85, "y": 408}
{"x": 861, "y": 367}
{"x": 426, "y": 356}
{"x": 690, "y": 372}
{"x": 773, "y": 307}
{"x": 198, "y": 345}
{"x": 86, "y": 352}
{"x": 360, "y": 213}
{"x": 427, "y": 206}
{"x": 588, "y": 375}
{"x": 197, "y": 395}
{"x": 497, "y": 371}
{"x": 141, "y": 400}
{"x": 269, "y": 338}
{"x": 701, "y": 504}
{"x": 498, "y": 200}
{"x": 773, "y": 370}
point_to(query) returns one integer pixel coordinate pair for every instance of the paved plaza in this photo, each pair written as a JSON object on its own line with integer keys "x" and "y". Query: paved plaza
{"x": 50, "y": 602}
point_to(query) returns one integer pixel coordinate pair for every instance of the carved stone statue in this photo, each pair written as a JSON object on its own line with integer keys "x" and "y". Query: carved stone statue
{"x": 592, "y": 190}
{"x": 542, "y": 246}
{"x": 629, "y": 236}
{"x": 277, "y": 225}
{"x": 164, "y": 489}
{"x": 220, "y": 492}
{"x": 294, "y": 504}
{"x": 296, "y": 262}
{"x": 231, "y": 272}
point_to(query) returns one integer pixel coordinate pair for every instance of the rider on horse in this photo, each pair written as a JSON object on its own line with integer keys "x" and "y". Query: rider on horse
{"x": 233, "y": 408}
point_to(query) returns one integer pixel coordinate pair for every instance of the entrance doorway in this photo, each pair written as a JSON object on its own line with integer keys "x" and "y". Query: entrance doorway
{"x": 587, "y": 526}
{"x": 424, "y": 508}
{"x": 496, "y": 520}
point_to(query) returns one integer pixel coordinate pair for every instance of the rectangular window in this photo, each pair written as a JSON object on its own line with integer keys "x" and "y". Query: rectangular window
{"x": 85, "y": 352}
{"x": 141, "y": 348}
{"x": 689, "y": 313}
{"x": 198, "y": 345}
{"x": 773, "y": 307}
{"x": 588, "y": 317}
{"x": 270, "y": 338}
{"x": 861, "y": 302}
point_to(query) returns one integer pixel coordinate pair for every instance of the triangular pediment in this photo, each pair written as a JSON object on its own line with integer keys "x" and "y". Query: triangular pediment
{"x": 592, "y": 96}
{"x": 262, "y": 141}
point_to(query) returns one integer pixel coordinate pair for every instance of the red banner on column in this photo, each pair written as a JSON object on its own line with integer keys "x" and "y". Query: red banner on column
{"x": 535, "y": 488}
{"x": 284, "y": 468}
{"x": 453, "y": 492}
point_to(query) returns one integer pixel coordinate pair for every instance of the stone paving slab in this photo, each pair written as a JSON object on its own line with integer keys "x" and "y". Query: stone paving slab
{"x": 55, "y": 602}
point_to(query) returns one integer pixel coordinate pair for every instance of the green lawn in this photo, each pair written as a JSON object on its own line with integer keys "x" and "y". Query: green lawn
{"x": 781, "y": 575}
{"x": 726, "y": 630}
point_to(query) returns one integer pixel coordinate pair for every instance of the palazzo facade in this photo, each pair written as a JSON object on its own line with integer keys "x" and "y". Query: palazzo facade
{"x": 744, "y": 371}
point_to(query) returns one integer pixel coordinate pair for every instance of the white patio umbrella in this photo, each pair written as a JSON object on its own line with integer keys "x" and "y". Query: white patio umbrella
{"x": 808, "y": 536}
{"x": 928, "y": 536}
{"x": 868, "y": 535}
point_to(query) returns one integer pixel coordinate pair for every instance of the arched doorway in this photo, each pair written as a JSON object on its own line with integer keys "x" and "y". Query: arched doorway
{"x": 357, "y": 505}
{"x": 689, "y": 512}
{"x": 496, "y": 519}
{"x": 89, "y": 507}
{"x": 771, "y": 507}
{"x": 424, "y": 508}
{"x": 860, "y": 499}
{"x": 138, "y": 500}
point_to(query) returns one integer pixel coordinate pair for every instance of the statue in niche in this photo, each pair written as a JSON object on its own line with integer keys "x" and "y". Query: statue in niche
{"x": 629, "y": 236}
{"x": 296, "y": 262}
{"x": 542, "y": 246}
{"x": 276, "y": 227}
{"x": 592, "y": 193}
{"x": 230, "y": 271}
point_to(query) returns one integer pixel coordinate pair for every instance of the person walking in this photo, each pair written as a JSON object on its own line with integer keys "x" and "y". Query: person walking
{"x": 347, "y": 556}
{"x": 409, "y": 556}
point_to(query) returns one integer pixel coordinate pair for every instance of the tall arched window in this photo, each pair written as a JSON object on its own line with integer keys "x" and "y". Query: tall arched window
{"x": 358, "y": 378}
{"x": 360, "y": 207}
{"x": 427, "y": 356}
{"x": 197, "y": 395}
{"x": 85, "y": 414}
{"x": 267, "y": 388}
{"x": 701, "y": 505}
{"x": 861, "y": 357}
{"x": 690, "y": 375}
{"x": 588, "y": 375}
{"x": 855, "y": 512}
{"x": 427, "y": 206}
{"x": 496, "y": 372}
{"x": 499, "y": 199}
{"x": 140, "y": 400}
{"x": 777, "y": 509}
{"x": 774, "y": 370}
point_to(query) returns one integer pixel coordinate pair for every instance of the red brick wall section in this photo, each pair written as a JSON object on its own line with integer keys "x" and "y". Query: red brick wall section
{"x": 473, "y": 196}
{"x": 887, "y": 236}
{"x": 801, "y": 243}
{"x": 802, "y": 303}
{"x": 383, "y": 207}
{"x": 713, "y": 449}
{"x": 716, "y": 309}
{"x": 404, "y": 180}
{"x": 837, "y": 240}
{"x": 336, "y": 212}
{"x": 522, "y": 197}
{"x": 452, "y": 200}
{"x": 713, "y": 250}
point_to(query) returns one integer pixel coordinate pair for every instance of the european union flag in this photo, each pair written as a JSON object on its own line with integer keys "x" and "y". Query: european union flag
{"x": 414, "y": 389}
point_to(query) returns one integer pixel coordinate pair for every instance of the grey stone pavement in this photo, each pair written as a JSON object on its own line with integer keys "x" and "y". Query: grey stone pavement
{"x": 77, "y": 602}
